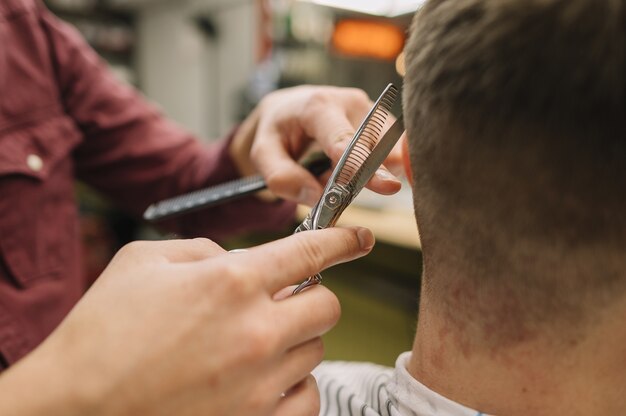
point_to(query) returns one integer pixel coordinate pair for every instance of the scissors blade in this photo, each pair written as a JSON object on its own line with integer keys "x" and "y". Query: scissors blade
{"x": 372, "y": 162}
{"x": 339, "y": 189}
{"x": 377, "y": 157}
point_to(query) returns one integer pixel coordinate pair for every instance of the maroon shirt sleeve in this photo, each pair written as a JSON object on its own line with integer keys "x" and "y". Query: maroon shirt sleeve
{"x": 135, "y": 155}
{"x": 63, "y": 115}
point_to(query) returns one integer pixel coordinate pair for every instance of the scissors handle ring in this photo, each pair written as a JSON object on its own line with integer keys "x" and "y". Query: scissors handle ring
{"x": 311, "y": 281}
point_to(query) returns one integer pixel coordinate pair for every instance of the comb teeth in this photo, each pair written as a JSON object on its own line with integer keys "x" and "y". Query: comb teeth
{"x": 368, "y": 135}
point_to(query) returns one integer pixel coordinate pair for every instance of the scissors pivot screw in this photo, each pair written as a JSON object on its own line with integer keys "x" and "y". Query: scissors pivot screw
{"x": 333, "y": 199}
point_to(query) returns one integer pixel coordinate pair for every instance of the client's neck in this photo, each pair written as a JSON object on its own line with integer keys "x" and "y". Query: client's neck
{"x": 577, "y": 377}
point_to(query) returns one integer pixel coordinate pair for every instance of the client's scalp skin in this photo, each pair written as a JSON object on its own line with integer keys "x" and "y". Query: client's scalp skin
{"x": 515, "y": 114}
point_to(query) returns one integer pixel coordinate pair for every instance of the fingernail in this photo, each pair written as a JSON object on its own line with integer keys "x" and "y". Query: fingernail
{"x": 366, "y": 239}
{"x": 385, "y": 175}
{"x": 238, "y": 250}
{"x": 308, "y": 197}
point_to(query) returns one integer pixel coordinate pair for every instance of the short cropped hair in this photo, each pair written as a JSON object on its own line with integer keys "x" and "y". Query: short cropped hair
{"x": 516, "y": 123}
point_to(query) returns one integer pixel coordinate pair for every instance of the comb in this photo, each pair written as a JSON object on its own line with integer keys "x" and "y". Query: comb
{"x": 316, "y": 163}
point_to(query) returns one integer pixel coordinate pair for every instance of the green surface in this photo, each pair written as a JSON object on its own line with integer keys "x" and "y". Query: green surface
{"x": 379, "y": 307}
{"x": 369, "y": 330}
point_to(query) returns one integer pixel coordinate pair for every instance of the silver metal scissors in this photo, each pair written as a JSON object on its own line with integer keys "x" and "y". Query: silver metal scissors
{"x": 363, "y": 156}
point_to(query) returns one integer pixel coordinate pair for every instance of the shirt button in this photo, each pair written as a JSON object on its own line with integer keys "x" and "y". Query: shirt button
{"x": 34, "y": 162}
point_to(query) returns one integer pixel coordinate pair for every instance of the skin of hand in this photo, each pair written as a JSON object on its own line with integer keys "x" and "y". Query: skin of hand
{"x": 183, "y": 327}
{"x": 284, "y": 125}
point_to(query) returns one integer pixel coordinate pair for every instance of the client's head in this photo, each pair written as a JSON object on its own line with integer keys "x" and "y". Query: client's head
{"x": 516, "y": 123}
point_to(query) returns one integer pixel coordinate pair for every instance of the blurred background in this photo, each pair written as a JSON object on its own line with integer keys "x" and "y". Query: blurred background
{"x": 207, "y": 63}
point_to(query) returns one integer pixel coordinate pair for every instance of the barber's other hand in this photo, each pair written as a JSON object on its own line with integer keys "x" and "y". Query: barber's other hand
{"x": 184, "y": 328}
{"x": 287, "y": 121}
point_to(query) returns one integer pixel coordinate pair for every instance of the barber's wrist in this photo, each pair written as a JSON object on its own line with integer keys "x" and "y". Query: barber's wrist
{"x": 41, "y": 384}
{"x": 84, "y": 385}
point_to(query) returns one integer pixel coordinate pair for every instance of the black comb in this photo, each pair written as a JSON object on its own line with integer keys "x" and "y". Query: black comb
{"x": 316, "y": 163}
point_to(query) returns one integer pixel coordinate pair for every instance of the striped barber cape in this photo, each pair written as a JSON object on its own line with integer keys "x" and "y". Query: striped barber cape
{"x": 366, "y": 389}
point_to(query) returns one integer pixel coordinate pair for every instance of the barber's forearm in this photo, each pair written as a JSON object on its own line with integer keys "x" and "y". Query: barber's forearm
{"x": 40, "y": 385}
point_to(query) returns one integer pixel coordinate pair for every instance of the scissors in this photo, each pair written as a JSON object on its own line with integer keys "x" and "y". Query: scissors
{"x": 361, "y": 159}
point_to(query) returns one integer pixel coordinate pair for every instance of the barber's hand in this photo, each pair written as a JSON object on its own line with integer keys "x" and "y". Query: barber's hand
{"x": 184, "y": 328}
{"x": 287, "y": 121}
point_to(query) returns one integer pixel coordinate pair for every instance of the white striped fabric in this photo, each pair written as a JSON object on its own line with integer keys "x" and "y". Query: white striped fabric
{"x": 365, "y": 389}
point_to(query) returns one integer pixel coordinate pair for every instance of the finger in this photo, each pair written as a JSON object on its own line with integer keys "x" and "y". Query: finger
{"x": 287, "y": 261}
{"x": 310, "y": 314}
{"x": 323, "y": 178}
{"x": 302, "y": 400}
{"x": 384, "y": 182}
{"x": 334, "y": 134}
{"x": 284, "y": 293}
{"x": 172, "y": 251}
{"x": 332, "y": 116}
{"x": 294, "y": 365}
{"x": 284, "y": 176}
